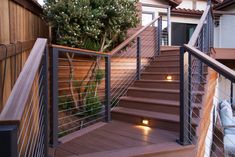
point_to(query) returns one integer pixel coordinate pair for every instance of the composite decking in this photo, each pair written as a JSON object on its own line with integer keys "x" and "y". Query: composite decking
{"x": 122, "y": 139}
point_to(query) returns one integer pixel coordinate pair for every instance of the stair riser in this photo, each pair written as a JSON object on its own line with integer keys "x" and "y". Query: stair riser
{"x": 197, "y": 98}
{"x": 165, "y": 63}
{"x": 161, "y": 124}
{"x": 162, "y": 69}
{"x": 157, "y": 85}
{"x": 162, "y": 108}
{"x": 170, "y": 52}
{"x": 196, "y": 112}
{"x": 200, "y": 87}
{"x": 153, "y": 95}
{"x": 170, "y": 58}
{"x": 158, "y": 76}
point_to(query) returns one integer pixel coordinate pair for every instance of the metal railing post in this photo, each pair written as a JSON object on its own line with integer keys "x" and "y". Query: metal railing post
{"x": 45, "y": 93}
{"x": 8, "y": 142}
{"x": 54, "y": 98}
{"x": 107, "y": 88}
{"x": 189, "y": 81}
{"x": 183, "y": 138}
{"x": 231, "y": 93}
{"x": 138, "y": 58}
{"x": 159, "y": 35}
{"x": 169, "y": 25}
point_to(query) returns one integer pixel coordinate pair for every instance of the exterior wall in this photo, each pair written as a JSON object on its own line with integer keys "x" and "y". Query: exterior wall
{"x": 225, "y": 32}
{"x": 223, "y": 92}
{"x": 189, "y": 20}
{"x": 188, "y": 4}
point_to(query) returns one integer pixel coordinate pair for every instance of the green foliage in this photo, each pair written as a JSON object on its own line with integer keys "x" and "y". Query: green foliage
{"x": 65, "y": 102}
{"x": 98, "y": 25}
{"x": 92, "y": 100}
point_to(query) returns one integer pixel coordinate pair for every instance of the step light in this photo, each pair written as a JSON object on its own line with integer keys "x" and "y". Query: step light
{"x": 145, "y": 122}
{"x": 169, "y": 78}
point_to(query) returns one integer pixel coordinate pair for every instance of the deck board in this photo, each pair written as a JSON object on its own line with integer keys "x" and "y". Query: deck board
{"x": 115, "y": 136}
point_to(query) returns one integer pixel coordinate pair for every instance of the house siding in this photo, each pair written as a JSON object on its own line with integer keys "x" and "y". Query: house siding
{"x": 225, "y": 32}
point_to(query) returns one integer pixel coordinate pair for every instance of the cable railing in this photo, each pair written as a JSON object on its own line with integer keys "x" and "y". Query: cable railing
{"x": 23, "y": 121}
{"x": 202, "y": 96}
{"x": 85, "y": 84}
{"x": 79, "y": 90}
{"x": 127, "y": 64}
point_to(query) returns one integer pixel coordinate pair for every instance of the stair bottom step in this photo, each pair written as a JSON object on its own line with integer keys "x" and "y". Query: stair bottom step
{"x": 156, "y": 120}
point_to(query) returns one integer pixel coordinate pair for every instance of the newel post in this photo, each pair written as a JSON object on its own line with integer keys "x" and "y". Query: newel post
{"x": 184, "y": 126}
{"x": 8, "y": 142}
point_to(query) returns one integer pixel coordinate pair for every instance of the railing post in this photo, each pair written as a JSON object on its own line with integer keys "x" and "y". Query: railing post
{"x": 107, "y": 88}
{"x": 54, "y": 99}
{"x": 183, "y": 139}
{"x": 169, "y": 25}
{"x": 231, "y": 93}
{"x": 45, "y": 93}
{"x": 159, "y": 35}
{"x": 189, "y": 96}
{"x": 138, "y": 58}
{"x": 8, "y": 142}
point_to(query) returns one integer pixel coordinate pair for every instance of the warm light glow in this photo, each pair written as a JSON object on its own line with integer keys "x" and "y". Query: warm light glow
{"x": 145, "y": 130}
{"x": 145, "y": 122}
{"x": 169, "y": 78}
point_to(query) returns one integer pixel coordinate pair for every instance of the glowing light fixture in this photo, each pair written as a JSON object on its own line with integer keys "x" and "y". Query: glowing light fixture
{"x": 169, "y": 78}
{"x": 145, "y": 122}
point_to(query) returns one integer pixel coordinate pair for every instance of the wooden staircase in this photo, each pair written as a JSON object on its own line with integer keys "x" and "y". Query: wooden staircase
{"x": 154, "y": 98}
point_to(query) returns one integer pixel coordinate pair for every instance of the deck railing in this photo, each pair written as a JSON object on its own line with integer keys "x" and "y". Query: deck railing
{"x": 23, "y": 121}
{"x": 85, "y": 85}
{"x": 200, "y": 95}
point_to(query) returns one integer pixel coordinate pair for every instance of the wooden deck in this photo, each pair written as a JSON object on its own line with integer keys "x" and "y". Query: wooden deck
{"x": 117, "y": 137}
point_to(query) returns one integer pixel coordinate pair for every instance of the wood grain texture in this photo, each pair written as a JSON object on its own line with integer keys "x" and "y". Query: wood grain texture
{"x": 15, "y": 105}
{"x": 20, "y": 26}
{"x": 115, "y": 136}
{"x": 205, "y": 116}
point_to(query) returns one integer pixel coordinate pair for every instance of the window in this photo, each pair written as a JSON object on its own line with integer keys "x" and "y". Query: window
{"x": 147, "y": 17}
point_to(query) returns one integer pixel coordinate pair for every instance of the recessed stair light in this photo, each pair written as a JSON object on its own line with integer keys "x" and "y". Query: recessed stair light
{"x": 145, "y": 122}
{"x": 169, "y": 78}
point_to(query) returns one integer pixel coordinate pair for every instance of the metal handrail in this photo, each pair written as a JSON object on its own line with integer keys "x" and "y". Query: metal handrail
{"x": 217, "y": 66}
{"x": 199, "y": 27}
{"x": 130, "y": 39}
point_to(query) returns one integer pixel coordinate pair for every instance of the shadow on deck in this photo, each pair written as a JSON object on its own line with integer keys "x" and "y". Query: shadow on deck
{"x": 118, "y": 139}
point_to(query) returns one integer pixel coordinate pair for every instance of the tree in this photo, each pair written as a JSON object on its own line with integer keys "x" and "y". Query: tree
{"x": 98, "y": 25}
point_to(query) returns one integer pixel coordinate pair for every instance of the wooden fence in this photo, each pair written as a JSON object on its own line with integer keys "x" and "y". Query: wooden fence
{"x": 20, "y": 25}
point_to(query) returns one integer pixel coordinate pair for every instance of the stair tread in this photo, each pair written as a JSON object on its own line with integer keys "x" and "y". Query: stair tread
{"x": 166, "y": 55}
{"x": 156, "y": 101}
{"x": 164, "y": 66}
{"x": 151, "y": 114}
{"x": 150, "y": 100}
{"x": 160, "y": 73}
{"x": 159, "y": 81}
{"x": 167, "y": 73}
{"x": 147, "y": 114}
{"x": 155, "y": 90}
